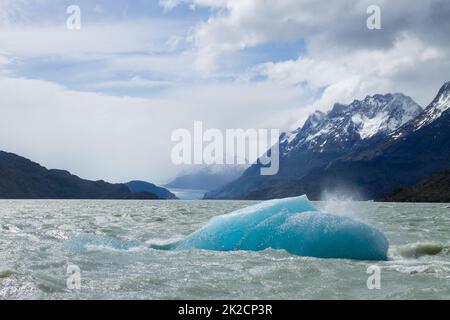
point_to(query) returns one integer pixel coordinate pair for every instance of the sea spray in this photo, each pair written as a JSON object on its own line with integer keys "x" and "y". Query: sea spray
{"x": 347, "y": 202}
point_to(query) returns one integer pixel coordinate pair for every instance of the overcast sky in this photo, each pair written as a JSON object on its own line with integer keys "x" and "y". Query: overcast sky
{"x": 103, "y": 101}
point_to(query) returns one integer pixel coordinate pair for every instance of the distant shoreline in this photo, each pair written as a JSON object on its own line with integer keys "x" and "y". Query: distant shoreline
{"x": 188, "y": 194}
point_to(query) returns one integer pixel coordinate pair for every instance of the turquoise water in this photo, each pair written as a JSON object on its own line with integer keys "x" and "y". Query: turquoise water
{"x": 34, "y": 259}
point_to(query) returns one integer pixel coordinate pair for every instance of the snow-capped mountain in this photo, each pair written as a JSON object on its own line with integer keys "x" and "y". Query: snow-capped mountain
{"x": 394, "y": 145}
{"x": 434, "y": 111}
{"x": 370, "y": 146}
{"x": 347, "y": 125}
{"x": 439, "y": 105}
{"x": 326, "y": 137}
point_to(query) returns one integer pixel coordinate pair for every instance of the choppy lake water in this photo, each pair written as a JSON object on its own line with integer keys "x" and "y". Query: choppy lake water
{"x": 34, "y": 258}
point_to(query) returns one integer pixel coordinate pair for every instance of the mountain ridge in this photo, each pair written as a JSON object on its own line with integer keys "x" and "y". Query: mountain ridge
{"x": 433, "y": 189}
{"x": 386, "y": 156}
{"x": 21, "y": 178}
{"x": 138, "y": 186}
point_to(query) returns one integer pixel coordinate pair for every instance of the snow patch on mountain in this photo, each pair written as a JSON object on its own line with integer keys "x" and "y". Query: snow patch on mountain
{"x": 346, "y": 125}
{"x": 369, "y": 127}
{"x": 439, "y": 105}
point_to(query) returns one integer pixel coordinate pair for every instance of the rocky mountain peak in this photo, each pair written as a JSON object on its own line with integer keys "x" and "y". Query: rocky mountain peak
{"x": 346, "y": 125}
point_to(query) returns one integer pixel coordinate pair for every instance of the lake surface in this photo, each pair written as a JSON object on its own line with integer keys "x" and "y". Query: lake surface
{"x": 34, "y": 257}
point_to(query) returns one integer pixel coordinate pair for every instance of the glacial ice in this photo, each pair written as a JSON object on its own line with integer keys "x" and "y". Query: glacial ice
{"x": 291, "y": 224}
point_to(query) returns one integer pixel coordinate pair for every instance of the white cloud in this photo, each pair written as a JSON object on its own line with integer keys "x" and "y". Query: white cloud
{"x": 10, "y": 11}
{"x": 247, "y": 23}
{"x": 4, "y": 60}
{"x": 112, "y": 38}
{"x": 94, "y": 135}
{"x": 171, "y": 4}
{"x": 336, "y": 26}
{"x": 343, "y": 58}
{"x": 361, "y": 72}
{"x": 121, "y": 138}
{"x": 171, "y": 65}
{"x": 135, "y": 82}
{"x": 104, "y": 51}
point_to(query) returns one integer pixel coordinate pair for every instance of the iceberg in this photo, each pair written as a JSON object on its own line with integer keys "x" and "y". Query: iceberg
{"x": 290, "y": 224}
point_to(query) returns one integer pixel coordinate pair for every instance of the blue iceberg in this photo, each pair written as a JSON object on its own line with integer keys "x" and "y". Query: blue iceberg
{"x": 291, "y": 224}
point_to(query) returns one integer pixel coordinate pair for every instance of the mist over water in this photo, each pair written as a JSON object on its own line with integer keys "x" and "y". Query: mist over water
{"x": 345, "y": 202}
{"x": 34, "y": 257}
